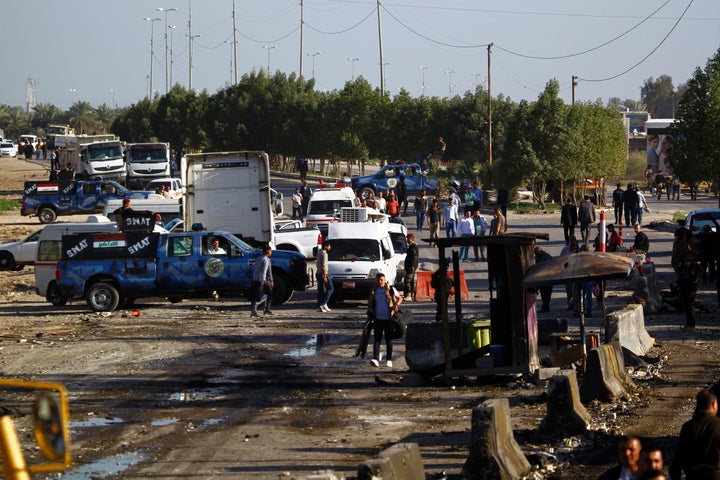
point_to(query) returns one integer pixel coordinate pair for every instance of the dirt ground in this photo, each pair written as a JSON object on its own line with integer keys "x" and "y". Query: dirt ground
{"x": 199, "y": 389}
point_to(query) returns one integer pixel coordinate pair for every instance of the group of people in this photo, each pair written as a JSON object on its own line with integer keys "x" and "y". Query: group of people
{"x": 631, "y": 202}
{"x": 300, "y": 201}
{"x": 697, "y": 455}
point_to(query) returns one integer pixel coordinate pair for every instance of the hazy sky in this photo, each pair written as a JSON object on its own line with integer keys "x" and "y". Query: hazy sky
{"x": 99, "y": 50}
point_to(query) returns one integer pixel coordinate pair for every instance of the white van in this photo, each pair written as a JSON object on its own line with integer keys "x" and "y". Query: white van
{"x": 168, "y": 209}
{"x": 361, "y": 248}
{"x": 326, "y": 204}
{"x": 49, "y": 252}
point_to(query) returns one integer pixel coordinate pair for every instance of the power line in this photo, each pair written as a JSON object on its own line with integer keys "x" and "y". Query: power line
{"x": 345, "y": 30}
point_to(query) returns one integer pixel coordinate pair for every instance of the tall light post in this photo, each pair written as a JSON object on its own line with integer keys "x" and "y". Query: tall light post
{"x": 450, "y": 85}
{"x": 233, "y": 47}
{"x": 313, "y": 55}
{"x": 152, "y": 51}
{"x": 269, "y": 48}
{"x": 385, "y": 64}
{"x": 166, "y": 11}
{"x": 172, "y": 64}
{"x": 72, "y": 96}
{"x": 190, "y": 56}
{"x": 475, "y": 81}
{"x": 112, "y": 90}
{"x": 353, "y": 60}
{"x": 422, "y": 69}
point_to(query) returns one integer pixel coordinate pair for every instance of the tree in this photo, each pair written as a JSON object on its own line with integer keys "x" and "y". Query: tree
{"x": 659, "y": 96}
{"x": 82, "y": 117}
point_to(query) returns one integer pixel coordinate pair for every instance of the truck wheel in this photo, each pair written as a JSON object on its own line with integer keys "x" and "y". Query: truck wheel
{"x": 7, "y": 261}
{"x": 103, "y": 297}
{"x": 364, "y": 193}
{"x": 53, "y": 295}
{"x": 175, "y": 299}
{"x": 46, "y": 215}
{"x": 282, "y": 291}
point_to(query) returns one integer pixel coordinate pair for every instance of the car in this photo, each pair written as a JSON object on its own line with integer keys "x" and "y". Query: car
{"x": 177, "y": 189}
{"x": 15, "y": 255}
{"x": 697, "y": 219}
{"x": 7, "y": 149}
{"x": 389, "y": 176}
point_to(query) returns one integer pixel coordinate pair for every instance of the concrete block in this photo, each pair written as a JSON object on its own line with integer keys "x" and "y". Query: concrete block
{"x": 399, "y": 462}
{"x": 424, "y": 345}
{"x": 627, "y": 327}
{"x": 605, "y": 377}
{"x": 566, "y": 415}
{"x": 494, "y": 453}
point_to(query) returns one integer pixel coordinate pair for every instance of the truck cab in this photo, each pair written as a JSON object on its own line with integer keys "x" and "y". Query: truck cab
{"x": 146, "y": 162}
{"x": 326, "y": 203}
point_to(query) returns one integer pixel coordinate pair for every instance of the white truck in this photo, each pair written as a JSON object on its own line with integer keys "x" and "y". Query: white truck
{"x": 93, "y": 156}
{"x": 361, "y": 248}
{"x": 326, "y": 203}
{"x": 146, "y": 162}
{"x": 230, "y": 191}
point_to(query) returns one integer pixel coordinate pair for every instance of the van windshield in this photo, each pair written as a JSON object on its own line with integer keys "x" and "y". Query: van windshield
{"x": 354, "y": 250}
{"x": 328, "y": 207}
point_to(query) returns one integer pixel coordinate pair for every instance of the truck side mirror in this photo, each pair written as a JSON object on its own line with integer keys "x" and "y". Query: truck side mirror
{"x": 48, "y": 427}
{"x": 235, "y": 251}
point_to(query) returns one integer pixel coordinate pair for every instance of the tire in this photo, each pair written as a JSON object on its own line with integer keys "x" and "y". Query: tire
{"x": 46, "y": 215}
{"x": 282, "y": 291}
{"x": 446, "y": 191}
{"x": 7, "y": 261}
{"x": 175, "y": 299}
{"x": 53, "y": 295}
{"x": 364, "y": 193}
{"x": 103, "y": 297}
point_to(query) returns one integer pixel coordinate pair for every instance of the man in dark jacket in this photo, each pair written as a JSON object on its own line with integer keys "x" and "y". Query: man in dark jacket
{"x": 631, "y": 202}
{"x": 411, "y": 265}
{"x": 618, "y": 203}
{"x": 586, "y": 216}
{"x": 568, "y": 219}
{"x": 698, "y": 453}
{"x": 642, "y": 243}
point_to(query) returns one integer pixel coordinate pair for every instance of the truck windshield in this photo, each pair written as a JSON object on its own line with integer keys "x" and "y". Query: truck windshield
{"x": 328, "y": 207}
{"x": 104, "y": 152}
{"x": 354, "y": 250}
{"x": 148, "y": 155}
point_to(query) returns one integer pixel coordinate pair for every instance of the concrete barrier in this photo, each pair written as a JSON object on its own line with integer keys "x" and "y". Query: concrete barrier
{"x": 423, "y": 290}
{"x": 320, "y": 475}
{"x": 494, "y": 453}
{"x": 627, "y": 327}
{"x": 399, "y": 462}
{"x": 566, "y": 415}
{"x": 424, "y": 345}
{"x": 605, "y": 377}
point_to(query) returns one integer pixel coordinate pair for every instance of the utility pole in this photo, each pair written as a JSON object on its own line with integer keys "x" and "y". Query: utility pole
{"x": 382, "y": 64}
{"x": 302, "y": 22}
{"x": 189, "y": 48}
{"x": 235, "y": 44}
{"x": 489, "y": 76}
{"x": 450, "y": 85}
{"x": 574, "y": 84}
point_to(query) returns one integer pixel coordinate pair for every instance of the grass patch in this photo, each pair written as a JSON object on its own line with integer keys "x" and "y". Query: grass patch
{"x": 6, "y": 205}
{"x": 532, "y": 207}
{"x": 678, "y": 215}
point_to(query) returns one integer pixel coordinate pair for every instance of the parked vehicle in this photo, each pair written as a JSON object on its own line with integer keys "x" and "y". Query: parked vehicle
{"x": 7, "y": 149}
{"x": 53, "y": 130}
{"x": 389, "y": 176}
{"x": 146, "y": 162}
{"x": 168, "y": 209}
{"x": 175, "y": 186}
{"x": 326, "y": 203}
{"x": 361, "y": 248}
{"x": 398, "y": 236}
{"x": 48, "y": 200}
{"x": 15, "y": 255}
{"x": 108, "y": 270}
{"x": 93, "y": 156}
{"x": 697, "y": 219}
{"x": 27, "y": 139}
{"x": 49, "y": 248}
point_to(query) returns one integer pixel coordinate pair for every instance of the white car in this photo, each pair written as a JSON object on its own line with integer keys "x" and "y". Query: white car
{"x": 8, "y": 149}
{"x": 15, "y": 255}
{"x": 177, "y": 189}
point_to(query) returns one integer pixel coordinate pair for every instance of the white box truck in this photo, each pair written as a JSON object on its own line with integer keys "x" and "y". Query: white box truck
{"x": 93, "y": 156}
{"x": 146, "y": 162}
{"x": 229, "y": 191}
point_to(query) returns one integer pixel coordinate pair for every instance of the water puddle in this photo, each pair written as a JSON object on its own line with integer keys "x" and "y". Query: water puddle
{"x": 198, "y": 395}
{"x": 212, "y": 421}
{"x": 165, "y": 422}
{"x": 95, "y": 422}
{"x": 311, "y": 347}
{"x": 104, "y": 467}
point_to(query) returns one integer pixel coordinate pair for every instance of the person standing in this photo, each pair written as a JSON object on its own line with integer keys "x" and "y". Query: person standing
{"x": 568, "y": 219}
{"x": 411, "y": 266}
{"x": 324, "y": 282}
{"x": 481, "y": 226}
{"x": 629, "y": 454}
{"x": 477, "y": 191}
{"x": 380, "y": 202}
{"x": 297, "y": 210}
{"x": 306, "y": 193}
{"x": 450, "y": 217}
{"x": 613, "y": 243}
{"x": 53, "y": 161}
{"x": 392, "y": 207}
{"x": 503, "y": 197}
{"x": 383, "y": 303}
{"x": 706, "y": 240}
{"x": 688, "y": 276}
{"x": 586, "y": 216}
{"x": 262, "y": 283}
{"x": 303, "y": 168}
{"x": 545, "y": 292}
{"x": 433, "y": 218}
{"x": 630, "y": 205}
{"x": 642, "y": 205}
{"x": 497, "y": 224}
{"x": 642, "y": 243}
{"x": 698, "y": 451}
{"x": 421, "y": 206}
{"x": 402, "y": 195}
{"x": 437, "y": 278}
{"x": 44, "y": 150}
{"x": 466, "y": 228}
{"x": 469, "y": 200}
{"x": 617, "y": 202}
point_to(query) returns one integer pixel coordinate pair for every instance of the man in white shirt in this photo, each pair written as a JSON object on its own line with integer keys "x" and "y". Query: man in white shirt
{"x": 466, "y": 227}
{"x": 450, "y": 217}
{"x": 297, "y": 212}
{"x": 642, "y": 205}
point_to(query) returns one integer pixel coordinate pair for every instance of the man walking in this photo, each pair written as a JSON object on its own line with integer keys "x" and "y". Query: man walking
{"x": 568, "y": 219}
{"x": 586, "y": 216}
{"x": 382, "y": 305}
{"x": 411, "y": 265}
{"x": 617, "y": 202}
{"x": 450, "y": 217}
{"x": 262, "y": 283}
{"x": 324, "y": 282}
{"x": 421, "y": 207}
{"x": 306, "y": 193}
{"x": 630, "y": 205}
{"x": 698, "y": 453}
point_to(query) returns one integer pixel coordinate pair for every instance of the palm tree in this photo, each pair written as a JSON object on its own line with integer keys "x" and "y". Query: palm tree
{"x": 45, "y": 113}
{"x": 17, "y": 123}
{"x": 105, "y": 116}
{"x": 82, "y": 117}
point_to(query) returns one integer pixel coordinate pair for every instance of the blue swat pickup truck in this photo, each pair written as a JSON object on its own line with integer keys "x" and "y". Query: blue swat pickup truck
{"x": 48, "y": 200}
{"x": 114, "y": 269}
{"x": 390, "y": 176}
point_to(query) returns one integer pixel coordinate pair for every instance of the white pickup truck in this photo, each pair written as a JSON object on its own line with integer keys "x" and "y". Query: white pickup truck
{"x": 15, "y": 255}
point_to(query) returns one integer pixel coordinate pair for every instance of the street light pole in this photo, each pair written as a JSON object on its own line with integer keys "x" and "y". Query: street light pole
{"x": 112, "y": 90}
{"x": 172, "y": 64}
{"x": 422, "y": 69}
{"x": 450, "y": 85}
{"x": 268, "y": 48}
{"x": 353, "y": 60}
{"x": 152, "y": 52}
{"x": 166, "y": 11}
{"x": 190, "y": 55}
{"x": 72, "y": 96}
{"x": 313, "y": 55}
